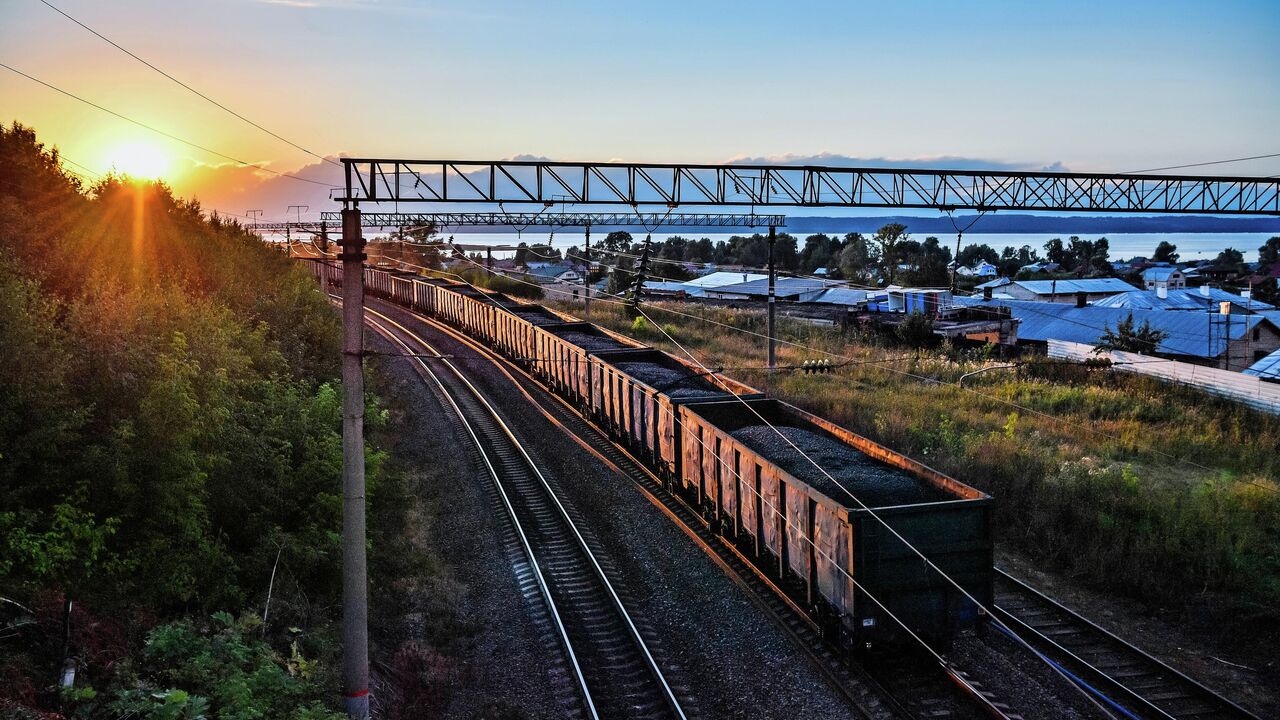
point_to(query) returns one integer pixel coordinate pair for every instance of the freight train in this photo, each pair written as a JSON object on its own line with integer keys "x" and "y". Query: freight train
{"x": 719, "y": 446}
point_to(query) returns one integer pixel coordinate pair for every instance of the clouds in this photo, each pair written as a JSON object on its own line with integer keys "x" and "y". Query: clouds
{"x": 940, "y": 162}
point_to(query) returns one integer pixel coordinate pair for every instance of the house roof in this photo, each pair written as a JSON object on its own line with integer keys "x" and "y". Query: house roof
{"x": 998, "y": 282}
{"x": 717, "y": 279}
{"x": 549, "y": 272}
{"x": 783, "y": 286}
{"x": 1158, "y": 274}
{"x": 1189, "y": 333}
{"x": 840, "y": 296}
{"x": 1268, "y": 367}
{"x": 666, "y": 286}
{"x": 1179, "y": 300}
{"x": 1087, "y": 285}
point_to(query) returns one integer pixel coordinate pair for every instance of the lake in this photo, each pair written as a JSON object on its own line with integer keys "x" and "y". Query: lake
{"x": 1191, "y": 246}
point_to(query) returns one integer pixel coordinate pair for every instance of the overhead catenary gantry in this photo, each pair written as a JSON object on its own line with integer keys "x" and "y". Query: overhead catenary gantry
{"x": 375, "y": 180}
{"x": 370, "y": 181}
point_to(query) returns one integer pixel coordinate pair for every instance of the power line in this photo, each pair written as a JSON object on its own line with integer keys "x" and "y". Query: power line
{"x": 188, "y": 87}
{"x": 1199, "y": 164}
{"x": 162, "y": 132}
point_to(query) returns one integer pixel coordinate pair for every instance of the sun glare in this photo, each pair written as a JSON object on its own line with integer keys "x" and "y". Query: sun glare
{"x": 145, "y": 162}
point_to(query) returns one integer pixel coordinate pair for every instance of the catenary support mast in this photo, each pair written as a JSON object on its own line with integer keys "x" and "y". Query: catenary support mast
{"x": 355, "y": 586}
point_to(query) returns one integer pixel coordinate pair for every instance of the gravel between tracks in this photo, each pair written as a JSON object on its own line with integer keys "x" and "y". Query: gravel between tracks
{"x": 736, "y": 661}
{"x": 503, "y": 658}
{"x": 1021, "y": 680}
{"x": 870, "y": 480}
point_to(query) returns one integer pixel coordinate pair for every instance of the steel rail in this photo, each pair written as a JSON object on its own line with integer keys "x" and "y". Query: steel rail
{"x": 524, "y": 540}
{"x": 743, "y": 570}
{"x": 668, "y": 694}
{"x": 1138, "y": 701}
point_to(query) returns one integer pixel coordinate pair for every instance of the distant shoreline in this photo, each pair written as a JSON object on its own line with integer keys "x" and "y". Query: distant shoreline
{"x": 1000, "y": 224}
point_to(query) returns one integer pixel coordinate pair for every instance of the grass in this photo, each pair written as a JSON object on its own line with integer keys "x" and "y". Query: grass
{"x": 1128, "y": 484}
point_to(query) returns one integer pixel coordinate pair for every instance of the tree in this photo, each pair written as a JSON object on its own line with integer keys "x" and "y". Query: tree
{"x": 887, "y": 239}
{"x": 930, "y": 266}
{"x": 1269, "y": 253}
{"x": 916, "y": 330}
{"x": 1267, "y": 291}
{"x": 971, "y": 255}
{"x": 855, "y": 259}
{"x": 817, "y": 252}
{"x": 1125, "y": 338}
{"x": 617, "y": 241}
{"x": 1230, "y": 260}
{"x": 1055, "y": 252}
{"x": 1166, "y": 252}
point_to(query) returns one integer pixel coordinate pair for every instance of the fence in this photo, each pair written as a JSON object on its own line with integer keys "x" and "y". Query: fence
{"x": 1254, "y": 392}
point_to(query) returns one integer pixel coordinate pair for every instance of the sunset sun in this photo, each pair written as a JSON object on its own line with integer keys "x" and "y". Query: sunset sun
{"x": 140, "y": 160}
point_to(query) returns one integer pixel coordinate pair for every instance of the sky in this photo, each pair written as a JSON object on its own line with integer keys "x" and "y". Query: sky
{"x": 1084, "y": 86}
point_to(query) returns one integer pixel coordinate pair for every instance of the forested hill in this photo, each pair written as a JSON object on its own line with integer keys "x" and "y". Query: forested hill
{"x": 169, "y": 443}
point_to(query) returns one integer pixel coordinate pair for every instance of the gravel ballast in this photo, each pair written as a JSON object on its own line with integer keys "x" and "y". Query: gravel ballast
{"x": 677, "y": 384}
{"x": 871, "y": 481}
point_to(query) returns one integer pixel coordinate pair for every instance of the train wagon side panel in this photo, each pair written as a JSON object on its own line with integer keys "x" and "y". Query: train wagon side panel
{"x": 833, "y": 564}
{"x": 955, "y": 536}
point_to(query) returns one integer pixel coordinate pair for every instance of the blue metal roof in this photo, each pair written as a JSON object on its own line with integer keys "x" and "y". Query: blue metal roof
{"x": 1087, "y": 285}
{"x": 783, "y": 286}
{"x": 1179, "y": 300}
{"x": 840, "y": 296}
{"x": 1268, "y": 367}
{"x": 1189, "y": 333}
{"x": 1158, "y": 273}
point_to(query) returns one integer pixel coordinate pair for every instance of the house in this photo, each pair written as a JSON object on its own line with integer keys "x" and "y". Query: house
{"x": 986, "y": 269}
{"x": 1201, "y": 299}
{"x": 1063, "y": 291}
{"x": 1226, "y": 341}
{"x": 1169, "y": 278}
{"x": 544, "y": 274}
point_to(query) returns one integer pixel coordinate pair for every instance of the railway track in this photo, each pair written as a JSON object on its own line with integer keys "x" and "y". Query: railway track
{"x": 1133, "y": 683}
{"x": 609, "y": 658}
{"x": 901, "y": 687}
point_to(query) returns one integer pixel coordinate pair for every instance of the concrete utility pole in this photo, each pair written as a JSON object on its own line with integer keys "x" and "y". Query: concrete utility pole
{"x": 773, "y": 357}
{"x": 586, "y": 274}
{"x": 355, "y": 586}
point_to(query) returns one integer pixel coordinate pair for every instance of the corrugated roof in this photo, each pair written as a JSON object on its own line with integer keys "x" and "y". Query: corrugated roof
{"x": 1179, "y": 300}
{"x": 1158, "y": 273}
{"x": 998, "y": 282}
{"x": 783, "y": 286}
{"x": 665, "y": 286}
{"x": 1088, "y": 285}
{"x": 840, "y": 296}
{"x": 716, "y": 279}
{"x": 1268, "y": 367}
{"x": 1189, "y": 333}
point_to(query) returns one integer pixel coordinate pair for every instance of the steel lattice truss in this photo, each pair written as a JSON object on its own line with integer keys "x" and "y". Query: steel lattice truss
{"x": 562, "y": 219}
{"x": 371, "y": 180}
{"x": 333, "y": 220}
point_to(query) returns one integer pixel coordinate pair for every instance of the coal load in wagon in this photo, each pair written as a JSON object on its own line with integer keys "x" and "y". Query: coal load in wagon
{"x": 873, "y": 482}
{"x": 535, "y": 314}
{"x": 674, "y": 383}
{"x": 469, "y": 292}
{"x": 588, "y": 341}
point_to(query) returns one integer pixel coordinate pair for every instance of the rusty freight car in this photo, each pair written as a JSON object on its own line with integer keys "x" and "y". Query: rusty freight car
{"x": 804, "y": 521}
{"x": 634, "y": 394}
